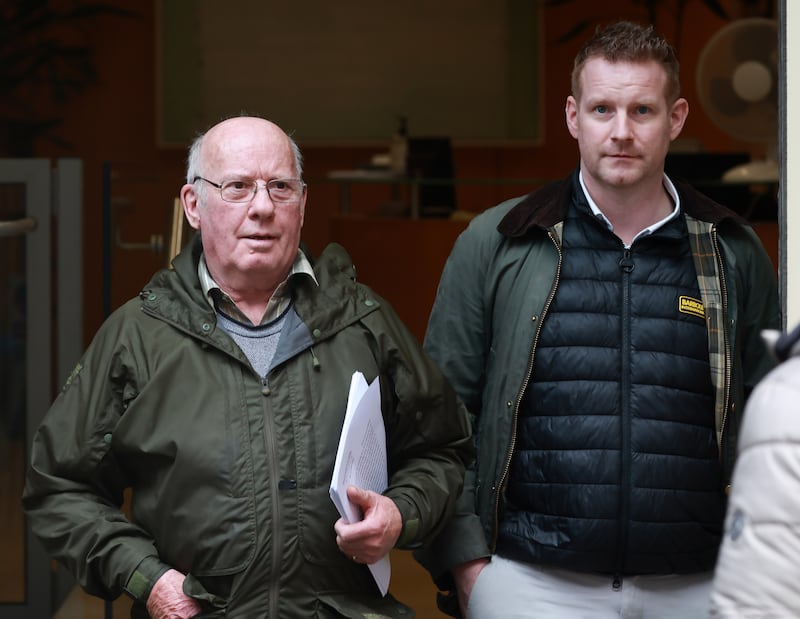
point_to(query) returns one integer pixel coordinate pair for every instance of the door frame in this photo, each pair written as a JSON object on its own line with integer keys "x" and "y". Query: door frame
{"x": 53, "y": 194}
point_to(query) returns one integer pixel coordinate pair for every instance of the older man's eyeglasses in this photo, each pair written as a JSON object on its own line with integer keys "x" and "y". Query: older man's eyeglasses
{"x": 280, "y": 190}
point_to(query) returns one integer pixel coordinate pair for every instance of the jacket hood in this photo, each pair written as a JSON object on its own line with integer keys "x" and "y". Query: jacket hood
{"x": 337, "y": 302}
{"x": 783, "y": 345}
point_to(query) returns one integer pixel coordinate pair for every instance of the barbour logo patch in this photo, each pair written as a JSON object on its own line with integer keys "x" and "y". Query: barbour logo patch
{"x": 694, "y": 307}
{"x": 73, "y": 375}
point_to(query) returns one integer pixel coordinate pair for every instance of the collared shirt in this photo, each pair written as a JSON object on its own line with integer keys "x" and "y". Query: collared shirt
{"x": 673, "y": 194}
{"x": 278, "y": 302}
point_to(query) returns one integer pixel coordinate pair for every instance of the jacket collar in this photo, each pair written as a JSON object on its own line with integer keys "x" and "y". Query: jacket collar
{"x": 547, "y": 206}
{"x": 176, "y": 295}
{"x": 788, "y": 345}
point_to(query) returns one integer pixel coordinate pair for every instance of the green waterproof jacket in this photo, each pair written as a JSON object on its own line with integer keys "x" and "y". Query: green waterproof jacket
{"x": 229, "y": 472}
{"x": 492, "y": 300}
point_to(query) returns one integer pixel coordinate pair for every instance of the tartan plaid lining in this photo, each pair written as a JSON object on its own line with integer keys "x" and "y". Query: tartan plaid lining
{"x": 711, "y": 280}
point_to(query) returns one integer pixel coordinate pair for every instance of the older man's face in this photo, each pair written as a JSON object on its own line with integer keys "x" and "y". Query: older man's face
{"x": 251, "y": 244}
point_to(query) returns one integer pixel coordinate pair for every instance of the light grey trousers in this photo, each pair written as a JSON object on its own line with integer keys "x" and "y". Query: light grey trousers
{"x": 509, "y": 589}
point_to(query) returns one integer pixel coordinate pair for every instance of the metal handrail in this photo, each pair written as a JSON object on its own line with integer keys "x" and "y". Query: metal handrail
{"x": 18, "y": 226}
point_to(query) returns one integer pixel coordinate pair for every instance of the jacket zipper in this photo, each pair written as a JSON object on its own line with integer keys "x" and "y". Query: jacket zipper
{"x": 626, "y": 265}
{"x": 275, "y": 547}
{"x": 724, "y": 326}
{"x": 515, "y": 415}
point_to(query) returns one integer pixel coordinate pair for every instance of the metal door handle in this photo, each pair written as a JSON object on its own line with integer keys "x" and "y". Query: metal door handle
{"x": 18, "y": 226}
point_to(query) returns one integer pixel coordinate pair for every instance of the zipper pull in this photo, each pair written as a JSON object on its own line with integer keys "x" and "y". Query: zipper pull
{"x": 626, "y": 262}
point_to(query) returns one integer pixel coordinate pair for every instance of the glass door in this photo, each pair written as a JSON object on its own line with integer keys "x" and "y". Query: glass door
{"x": 30, "y": 198}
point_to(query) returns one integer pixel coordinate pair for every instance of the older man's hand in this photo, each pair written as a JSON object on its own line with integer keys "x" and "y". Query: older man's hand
{"x": 375, "y": 535}
{"x": 168, "y": 601}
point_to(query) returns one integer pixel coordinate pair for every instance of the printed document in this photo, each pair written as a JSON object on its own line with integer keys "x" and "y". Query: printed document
{"x": 361, "y": 459}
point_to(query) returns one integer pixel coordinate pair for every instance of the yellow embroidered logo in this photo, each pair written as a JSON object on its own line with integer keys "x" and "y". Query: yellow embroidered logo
{"x": 688, "y": 305}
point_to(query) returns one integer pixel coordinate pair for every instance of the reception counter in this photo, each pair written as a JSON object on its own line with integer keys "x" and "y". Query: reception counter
{"x": 401, "y": 259}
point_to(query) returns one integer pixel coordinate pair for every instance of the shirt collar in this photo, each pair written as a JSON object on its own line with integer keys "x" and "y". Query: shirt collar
{"x": 673, "y": 194}
{"x": 280, "y": 299}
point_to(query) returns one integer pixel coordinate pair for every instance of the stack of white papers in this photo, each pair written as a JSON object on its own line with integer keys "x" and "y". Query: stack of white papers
{"x": 361, "y": 459}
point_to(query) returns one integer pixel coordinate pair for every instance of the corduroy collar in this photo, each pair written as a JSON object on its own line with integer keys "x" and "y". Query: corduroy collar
{"x": 548, "y": 205}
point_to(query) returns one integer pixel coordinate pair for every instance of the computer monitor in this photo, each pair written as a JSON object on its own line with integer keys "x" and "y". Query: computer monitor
{"x": 430, "y": 161}
{"x": 704, "y": 172}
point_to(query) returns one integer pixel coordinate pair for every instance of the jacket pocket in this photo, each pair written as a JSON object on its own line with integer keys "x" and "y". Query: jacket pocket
{"x": 214, "y": 604}
{"x": 360, "y": 606}
{"x": 315, "y": 524}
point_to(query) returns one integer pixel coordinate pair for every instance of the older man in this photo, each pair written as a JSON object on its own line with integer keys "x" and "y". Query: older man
{"x": 217, "y": 395}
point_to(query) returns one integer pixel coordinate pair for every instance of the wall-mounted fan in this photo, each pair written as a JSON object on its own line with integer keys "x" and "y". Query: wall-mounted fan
{"x": 737, "y": 83}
